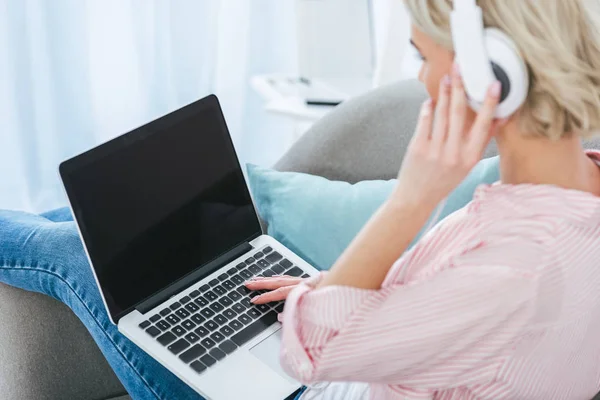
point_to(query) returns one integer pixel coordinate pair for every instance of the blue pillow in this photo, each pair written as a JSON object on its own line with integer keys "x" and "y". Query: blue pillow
{"x": 318, "y": 218}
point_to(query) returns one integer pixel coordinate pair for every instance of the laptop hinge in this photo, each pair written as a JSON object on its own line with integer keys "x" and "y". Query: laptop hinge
{"x": 192, "y": 278}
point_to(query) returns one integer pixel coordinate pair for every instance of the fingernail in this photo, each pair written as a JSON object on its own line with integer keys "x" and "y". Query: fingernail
{"x": 456, "y": 69}
{"x": 426, "y": 110}
{"x": 447, "y": 81}
{"x": 495, "y": 89}
{"x": 254, "y": 299}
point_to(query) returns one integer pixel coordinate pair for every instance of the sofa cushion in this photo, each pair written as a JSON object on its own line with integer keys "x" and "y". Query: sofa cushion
{"x": 318, "y": 218}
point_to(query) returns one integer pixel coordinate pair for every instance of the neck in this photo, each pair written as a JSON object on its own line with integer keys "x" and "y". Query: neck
{"x": 537, "y": 160}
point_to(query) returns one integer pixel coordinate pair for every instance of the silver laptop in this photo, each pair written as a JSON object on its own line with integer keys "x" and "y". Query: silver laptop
{"x": 172, "y": 234}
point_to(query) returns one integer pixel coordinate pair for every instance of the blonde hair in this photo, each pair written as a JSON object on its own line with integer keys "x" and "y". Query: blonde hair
{"x": 560, "y": 42}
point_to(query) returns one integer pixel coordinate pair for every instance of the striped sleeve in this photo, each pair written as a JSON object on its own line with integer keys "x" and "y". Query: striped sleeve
{"x": 451, "y": 329}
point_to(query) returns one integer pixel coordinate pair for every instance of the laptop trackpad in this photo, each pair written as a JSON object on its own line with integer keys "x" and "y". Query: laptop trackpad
{"x": 268, "y": 352}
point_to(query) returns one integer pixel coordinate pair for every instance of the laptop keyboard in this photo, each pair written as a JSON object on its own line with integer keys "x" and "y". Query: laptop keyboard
{"x": 216, "y": 318}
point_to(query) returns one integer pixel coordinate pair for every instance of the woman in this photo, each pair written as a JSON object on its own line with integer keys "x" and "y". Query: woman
{"x": 500, "y": 300}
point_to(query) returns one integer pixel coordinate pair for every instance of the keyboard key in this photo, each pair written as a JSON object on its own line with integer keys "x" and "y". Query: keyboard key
{"x": 198, "y": 367}
{"x": 226, "y": 330}
{"x": 217, "y": 307}
{"x": 244, "y": 319}
{"x": 165, "y": 312}
{"x": 208, "y": 343}
{"x": 236, "y": 325}
{"x": 201, "y": 331}
{"x": 223, "y": 277}
{"x": 201, "y": 301}
{"x": 262, "y": 307}
{"x": 192, "y": 337}
{"x": 243, "y": 290}
{"x": 254, "y": 329}
{"x": 173, "y": 319}
{"x": 183, "y": 313}
{"x": 273, "y": 257}
{"x": 217, "y": 337}
{"x": 263, "y": 264}
{"x": 228, "y": 285}
{"x": 249, "y": 260}
{"x": 285, "y": 263}
{"x": 295, "y": 272}
{"x": 163, "y": 325}
{"x": 228, "y": 346}
{"x": 267, "y": 250}
{"x": 268, "y": 273}
{"x": 193, "y": 353}
{"x": 166, "y": 338}
{"x": 246, "y": 303}
{"x": 154, "y": 318}
{"x": 236, "y": 279}
{"x": 279, "y": 308}
{"x": 240, "y": 266}
{"x": 217, "y": 354}
{"x": 234, "y": 295}
{"x": 255, "y": 269}
{"x": 195, "y": 294}
{"x": 204, "y": 288}
{"x": 197, "y": 318}
{"x": 246, "y": 274}
{"x": 214, "y": 282}
{"x": 220, "y": 319}
{"x": 211, "y": 325}
{"x": 210, "y": 296}
{"x": 179, "y": 346}
{"x": 189, "y": 325}
{"x": 175, "y": 305}
{"x": 306, "y": 276}
{"x": 226, "y": 301}
{"x": 278, "y": 269}
{"x": 230, "y": 314}
{"x": 144, "y": 324}
{"x": 207, "y": 312}
{"x": 238, "y": 308}
{"x": 153, "y": 331}
{"x": 259, "y": 254}
{"x": 192, "y": 307}
{"x": 208, "y": 360}
{"x": 252, "y": 313}
{"x": 178, "y": 330}
{"x": 185, "y": 299}
{"x": 220, "y": 290}
{"x": 232, "y": 271}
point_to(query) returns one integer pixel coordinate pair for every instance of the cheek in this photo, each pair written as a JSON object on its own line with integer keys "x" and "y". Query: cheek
{"x": 431, "y": 76}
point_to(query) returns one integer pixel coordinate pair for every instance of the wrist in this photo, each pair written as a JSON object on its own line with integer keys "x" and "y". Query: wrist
{"x": 407, "y": 208}
{"x": 411, "y": 204}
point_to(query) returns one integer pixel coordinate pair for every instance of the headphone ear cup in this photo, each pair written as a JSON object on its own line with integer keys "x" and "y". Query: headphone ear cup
{"x": 509, "y": 68}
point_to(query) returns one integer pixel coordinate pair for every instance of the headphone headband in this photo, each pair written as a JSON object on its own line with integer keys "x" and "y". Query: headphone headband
{"x": 468, "y": 36}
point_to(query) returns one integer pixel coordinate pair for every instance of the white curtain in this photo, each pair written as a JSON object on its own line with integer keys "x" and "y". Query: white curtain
{"x": 75, "y": 73}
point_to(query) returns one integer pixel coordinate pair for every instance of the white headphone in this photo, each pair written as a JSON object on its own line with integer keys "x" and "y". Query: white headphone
{"x": 485, "y": 55}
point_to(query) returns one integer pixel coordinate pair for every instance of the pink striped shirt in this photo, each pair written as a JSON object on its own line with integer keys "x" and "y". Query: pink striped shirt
{"x": 499, "y": 301}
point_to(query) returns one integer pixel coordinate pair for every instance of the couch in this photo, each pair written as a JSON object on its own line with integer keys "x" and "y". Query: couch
{"x": 364, "y": 138}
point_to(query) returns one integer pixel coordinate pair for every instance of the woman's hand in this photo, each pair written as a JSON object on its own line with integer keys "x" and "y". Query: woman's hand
{"x": 279, "y": 287}
{"x": 443, "y": 150}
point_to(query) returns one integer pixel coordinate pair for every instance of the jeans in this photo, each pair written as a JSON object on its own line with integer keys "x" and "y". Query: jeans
{"x": 44, "y": 254}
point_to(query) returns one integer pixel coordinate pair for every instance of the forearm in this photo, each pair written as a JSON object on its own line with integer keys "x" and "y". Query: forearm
{"x": 367, "y": 260}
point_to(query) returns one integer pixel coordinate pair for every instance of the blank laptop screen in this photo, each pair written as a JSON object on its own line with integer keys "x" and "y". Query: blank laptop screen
{"x": 157, "y": 203}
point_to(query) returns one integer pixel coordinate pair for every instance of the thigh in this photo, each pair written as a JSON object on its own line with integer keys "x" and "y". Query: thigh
{"x": 59, "y": 215}
{"x": 39, "y": 255}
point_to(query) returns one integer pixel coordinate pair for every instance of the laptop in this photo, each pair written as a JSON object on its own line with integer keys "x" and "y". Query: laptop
{"x": 172, "y": 234}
